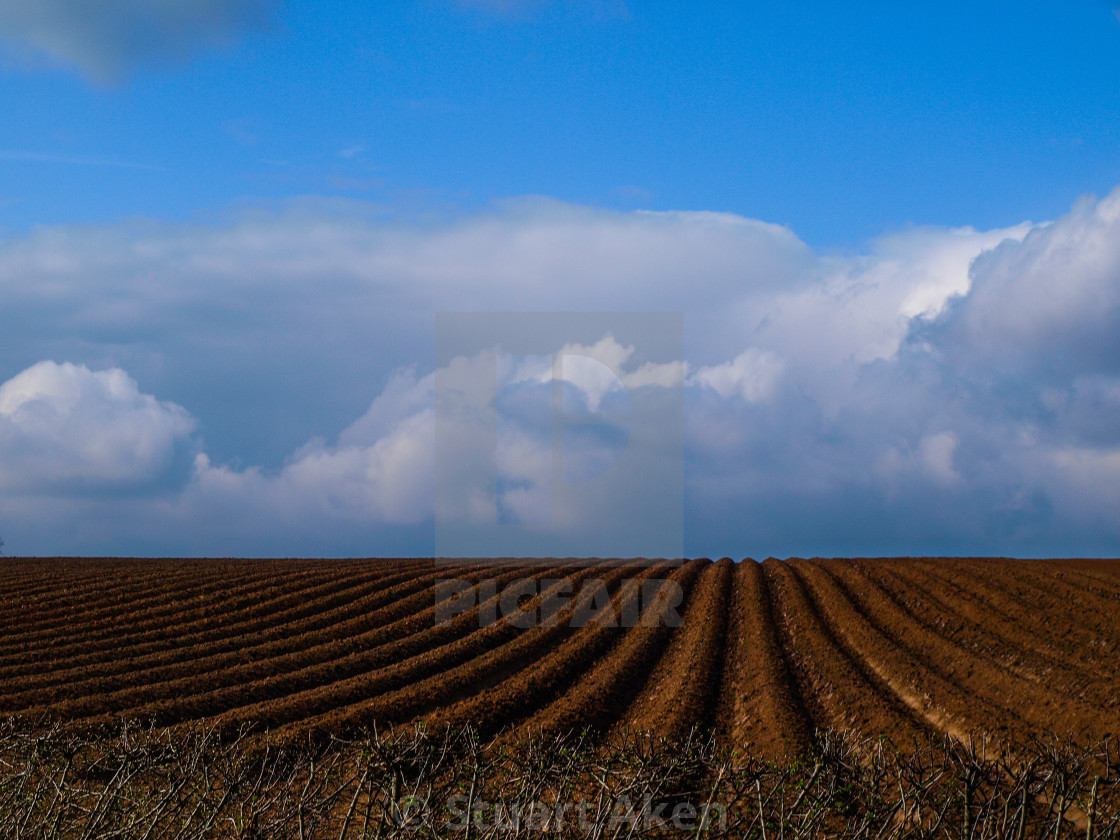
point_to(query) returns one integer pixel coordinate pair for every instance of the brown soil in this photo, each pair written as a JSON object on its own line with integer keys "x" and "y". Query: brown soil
{"x": 765, "y": 655}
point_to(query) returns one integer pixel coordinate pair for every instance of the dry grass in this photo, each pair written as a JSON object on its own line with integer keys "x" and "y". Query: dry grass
{"x": 151, "y": 784}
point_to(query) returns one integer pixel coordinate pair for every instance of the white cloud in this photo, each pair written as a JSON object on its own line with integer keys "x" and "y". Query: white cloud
{"x": 604, "y": 368}
{"x": 404, "y": 397}
{"x": 858, "y": 309}
{"x": 65, "y": 427}
{"x": 384, "y": 467}
{"x": 752, "y": 375}
{"x": 387, "y": 482}
{"x": 109, "y": 39}
{"x": 956, "y": 386}
{"x": 379, "y": 471}
{"x": 1049, "y": 302}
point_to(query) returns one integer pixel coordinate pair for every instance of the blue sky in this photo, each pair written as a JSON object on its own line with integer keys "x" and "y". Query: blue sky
{"x": 841, "y": 121}
{"x": 225, "y": 227}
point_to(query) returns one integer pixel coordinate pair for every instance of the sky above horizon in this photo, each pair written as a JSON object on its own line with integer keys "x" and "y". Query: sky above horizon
{"x": 892, "y": 233}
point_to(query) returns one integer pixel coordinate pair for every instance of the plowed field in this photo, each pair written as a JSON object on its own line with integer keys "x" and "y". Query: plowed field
{"x": 764, "y": 654}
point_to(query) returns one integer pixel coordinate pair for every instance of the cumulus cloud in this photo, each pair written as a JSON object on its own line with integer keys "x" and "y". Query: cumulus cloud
{"x": 606, "y": 368}
{"x": 65, "y": 428}
{"x": 752, "y": 375}
{"x": 948, "y": 390}
{"x": 383, "y": 469}
{"x": 1048, "y": 303}
{"x": 107, "y": 40}
{"x": 387, "y": 482}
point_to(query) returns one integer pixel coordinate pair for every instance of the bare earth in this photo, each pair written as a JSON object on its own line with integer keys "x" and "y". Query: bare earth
{"x": 766, "y": 653}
